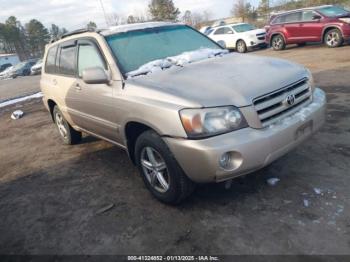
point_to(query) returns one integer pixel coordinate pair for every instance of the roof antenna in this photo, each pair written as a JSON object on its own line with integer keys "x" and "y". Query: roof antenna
{"x": 104, "y": 12}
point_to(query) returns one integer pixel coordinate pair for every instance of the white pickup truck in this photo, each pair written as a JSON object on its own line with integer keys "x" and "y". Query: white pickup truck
{"x": 241, "y": 37}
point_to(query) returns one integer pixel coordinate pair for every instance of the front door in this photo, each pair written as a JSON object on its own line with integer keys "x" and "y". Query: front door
{"x": 92, "y": 106}
{"x": 311, "y": 27}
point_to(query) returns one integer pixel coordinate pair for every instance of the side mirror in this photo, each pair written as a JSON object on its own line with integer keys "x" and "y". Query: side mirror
{"x": 230, "y": 32}
{"x": 95, "y": 75}
{"x": 316, "y": 17}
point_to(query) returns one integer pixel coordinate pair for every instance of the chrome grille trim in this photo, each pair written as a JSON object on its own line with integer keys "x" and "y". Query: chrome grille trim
{"x": 272, "y": 107}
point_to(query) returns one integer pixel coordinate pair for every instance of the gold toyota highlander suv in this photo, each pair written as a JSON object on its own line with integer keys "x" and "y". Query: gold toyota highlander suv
{"x": 184, "y": 109}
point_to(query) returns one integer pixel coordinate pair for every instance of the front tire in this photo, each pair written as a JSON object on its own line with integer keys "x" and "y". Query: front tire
{"x": 278, "y": 43}
{"x": 68, "y": 135}
{"x": 333, "y": 38}
{"x": 241, "y": 46}
{"x": 160, "y": 171}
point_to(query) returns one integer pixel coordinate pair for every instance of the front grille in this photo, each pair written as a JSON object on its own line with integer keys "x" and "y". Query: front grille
{"x": 274, "y": 106}
{"x": 261, "y": 36}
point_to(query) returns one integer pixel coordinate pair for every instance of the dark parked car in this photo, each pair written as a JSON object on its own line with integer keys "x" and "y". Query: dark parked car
{"x": 4, "y": 66}
{"x": 36, "y": 69}
{"x": 328, "y": 24}
{"x": 22, "y": 69}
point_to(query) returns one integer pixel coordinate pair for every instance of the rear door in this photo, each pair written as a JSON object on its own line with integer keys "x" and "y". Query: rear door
{"x": 92, "y": 105}
{"x": 311, "y": 26}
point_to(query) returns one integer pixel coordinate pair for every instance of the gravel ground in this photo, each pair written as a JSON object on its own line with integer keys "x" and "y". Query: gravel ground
{"x": 50, "y": 194}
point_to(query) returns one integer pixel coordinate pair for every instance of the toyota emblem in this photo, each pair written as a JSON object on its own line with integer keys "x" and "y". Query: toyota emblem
{"x": 290, "y": 99}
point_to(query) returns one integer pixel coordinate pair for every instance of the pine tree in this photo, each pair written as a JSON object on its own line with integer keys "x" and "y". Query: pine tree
{"x": 163, "y": 10}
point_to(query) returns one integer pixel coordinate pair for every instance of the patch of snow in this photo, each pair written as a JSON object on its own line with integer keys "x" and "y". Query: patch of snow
{"x": 179, "y": 60}
{"x": 272, "y": 181}
{"x": 317, "y": 190}
{"x": 306, "y": 203}
{"x": 17, "y": 114}
{"x": 319, "y": 98}
{"x": 20, "y": 99}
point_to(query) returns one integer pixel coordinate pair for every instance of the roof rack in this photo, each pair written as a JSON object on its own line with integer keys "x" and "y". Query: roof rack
{"x": 74, "y": 32}
{"x": 78, "y": 31}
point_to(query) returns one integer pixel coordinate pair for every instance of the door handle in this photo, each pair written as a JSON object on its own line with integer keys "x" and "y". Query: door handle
{"x": 54, "y": 82}
{"x": 77, "y": 87}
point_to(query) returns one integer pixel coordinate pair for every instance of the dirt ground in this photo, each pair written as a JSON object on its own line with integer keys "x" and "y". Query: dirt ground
{"x": 50, "y": 194}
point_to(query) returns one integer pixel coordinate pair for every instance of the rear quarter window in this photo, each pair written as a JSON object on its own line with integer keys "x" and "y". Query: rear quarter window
{"x": 50, "y": 67}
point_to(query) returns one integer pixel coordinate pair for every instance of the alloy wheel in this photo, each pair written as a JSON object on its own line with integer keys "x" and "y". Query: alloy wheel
{"x": 333, "y": 39}
{"x": 240, "y": 47}
{"x": 277, "y": 43}
{"x": 155, "y": 169}
{"x": 60, "y": 124}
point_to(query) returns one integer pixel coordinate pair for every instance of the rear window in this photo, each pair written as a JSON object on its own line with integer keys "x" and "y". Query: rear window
{"x": 67, "y": 61}
{"x": 50, "y": 60}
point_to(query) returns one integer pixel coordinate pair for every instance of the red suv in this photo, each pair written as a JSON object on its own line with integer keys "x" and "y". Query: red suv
{"x": 328, "y": 24}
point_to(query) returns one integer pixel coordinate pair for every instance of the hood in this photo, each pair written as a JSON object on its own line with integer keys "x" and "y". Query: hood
{"x": 257, "y": 31}
{"x": 234, "y": 79}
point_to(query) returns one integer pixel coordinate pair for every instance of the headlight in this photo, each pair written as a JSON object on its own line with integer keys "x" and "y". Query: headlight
{"x": 345, "y": 20}
{"x": 205, "y": 122}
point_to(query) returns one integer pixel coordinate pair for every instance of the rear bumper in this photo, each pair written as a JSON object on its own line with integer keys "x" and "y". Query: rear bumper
{"x": 250, "y": 149}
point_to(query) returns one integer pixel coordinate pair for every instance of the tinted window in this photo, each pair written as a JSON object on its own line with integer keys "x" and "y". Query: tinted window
{"x": 50, "y": 60}
{"x": 228, "y": 30}
{"x": 67, "y": 60}
{"x": 220, "y": 31}
{"x": 243, "y": 28}
{"x": 293, "y": 17}
{"x": 89, "y": 57}
{"x": 308, "y": 15}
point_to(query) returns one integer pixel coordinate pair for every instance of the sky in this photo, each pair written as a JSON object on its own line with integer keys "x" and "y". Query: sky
{"x": 74, "y": 14}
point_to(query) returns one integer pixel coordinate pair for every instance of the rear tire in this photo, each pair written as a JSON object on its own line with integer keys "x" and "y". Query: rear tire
{"x": 278, "y": 43}
{"x": 333, "y": 38}
{"x": 160, "y": 171}
{"x": 68, "y": 135}
{"x": 241, "y": 47}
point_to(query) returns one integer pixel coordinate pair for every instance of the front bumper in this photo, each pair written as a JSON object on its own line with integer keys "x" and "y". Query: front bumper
{"x": 252, "y": 148}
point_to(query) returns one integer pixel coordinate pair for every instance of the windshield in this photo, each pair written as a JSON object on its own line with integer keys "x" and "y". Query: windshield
{"x": 136, "y": 48}
{"x": 243, "y": 28}
{"x": 333, "y": 11}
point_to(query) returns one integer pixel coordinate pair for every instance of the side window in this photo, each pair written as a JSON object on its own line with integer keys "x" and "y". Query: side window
{"x": 279, "y": 20}
{"x": 89, "y": 57}
{"x": 293, "y": 17}
{"x": 50, "y": 67}
{"x": 220, "y": 31}
{"x": 308, "y": 15}
{"x": 227, "y": 30}
{"x": 67, "y": 60}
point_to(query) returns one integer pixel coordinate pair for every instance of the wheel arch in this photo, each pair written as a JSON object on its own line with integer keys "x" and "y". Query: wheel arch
{"x": 132, "y": 130}
{"x": 277, "y": 33}
{"x": 328, "y": 28}
{"x": 51, "y": 105}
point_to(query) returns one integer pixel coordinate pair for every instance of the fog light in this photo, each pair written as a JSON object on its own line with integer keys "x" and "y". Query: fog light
{"x": 230, "y": 160}
{"x": 225, "y": 160}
